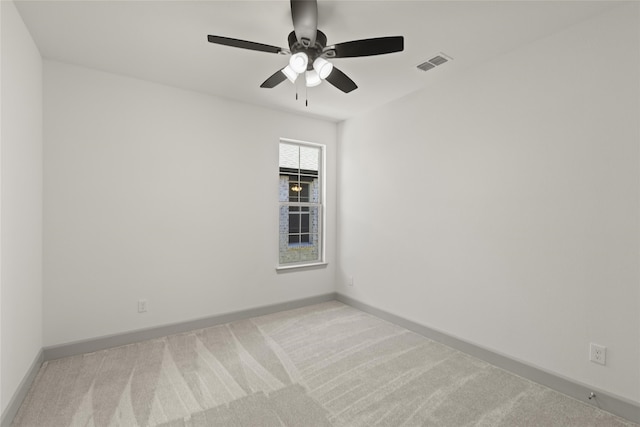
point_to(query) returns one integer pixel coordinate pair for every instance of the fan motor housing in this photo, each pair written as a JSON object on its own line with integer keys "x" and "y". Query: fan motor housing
{"x": 312, "y": 52}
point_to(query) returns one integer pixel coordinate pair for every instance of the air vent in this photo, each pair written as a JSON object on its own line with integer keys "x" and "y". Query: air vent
{"x": 425, "y": 66}
{"x": 434, "y": 62}
{"x": 438, "y": 60}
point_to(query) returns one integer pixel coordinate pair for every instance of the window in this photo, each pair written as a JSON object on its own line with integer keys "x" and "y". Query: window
{"x": 301, "y": 209}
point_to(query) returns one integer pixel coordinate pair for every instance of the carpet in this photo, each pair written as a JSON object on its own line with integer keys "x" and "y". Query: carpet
{"x": 321, "y": 365}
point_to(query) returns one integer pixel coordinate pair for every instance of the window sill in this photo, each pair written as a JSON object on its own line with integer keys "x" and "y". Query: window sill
{"x": 285, "y": 268}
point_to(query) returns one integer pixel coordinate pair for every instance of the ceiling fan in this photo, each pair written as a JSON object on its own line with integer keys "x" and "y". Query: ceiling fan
{"x": 309, "y": 51}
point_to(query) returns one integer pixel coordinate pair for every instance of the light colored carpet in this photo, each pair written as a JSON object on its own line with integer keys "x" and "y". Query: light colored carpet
{"x": 323, "y": 365}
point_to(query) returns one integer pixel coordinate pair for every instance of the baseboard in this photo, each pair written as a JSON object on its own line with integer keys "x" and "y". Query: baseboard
{"x": 102, "y": 343}
{"x": 16, "y": 400}
{"x": 609, "y": 402}
{"x": 606, "y": 401}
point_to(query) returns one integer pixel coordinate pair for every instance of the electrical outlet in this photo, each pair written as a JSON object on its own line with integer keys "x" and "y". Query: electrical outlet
{"x": 598, "y": 353}
{"x": 350, "y": 281}
{"x": 142, "y": 306}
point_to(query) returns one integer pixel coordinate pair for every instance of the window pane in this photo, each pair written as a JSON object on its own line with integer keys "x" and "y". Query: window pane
{"x": 314, "y": 191}
{"x": 294, "y": 222}
{"x": 304, "y": 222}
{"x": 284, "y": 188}
{"x": 309, "y": 158}
{"x": 289, "y": 156}
{"x": 313, "y": 220}
{"x": 310, "y": 250}
{"x": 298, "y": 191}
{"x": 284, "y": 221}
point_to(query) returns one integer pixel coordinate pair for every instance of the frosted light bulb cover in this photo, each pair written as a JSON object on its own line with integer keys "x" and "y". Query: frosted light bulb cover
{"x": 313, "y": 79}
{"x": 322, "y": 67}
{"x": 291, "y": 75}
{"x": 298, "y": 62}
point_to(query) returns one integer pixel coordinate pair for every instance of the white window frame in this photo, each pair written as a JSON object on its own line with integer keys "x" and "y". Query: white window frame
{"x": 321, "y": 207}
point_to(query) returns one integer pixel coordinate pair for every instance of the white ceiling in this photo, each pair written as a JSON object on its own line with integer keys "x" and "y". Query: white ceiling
{"x": 166, "y": 42}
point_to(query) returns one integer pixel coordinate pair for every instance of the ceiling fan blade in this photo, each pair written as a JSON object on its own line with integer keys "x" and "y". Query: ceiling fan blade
{"x": 304, "y": 14}
{"x": 341, "y": 81}
{"x": 227, "y": 41}
{"x": 367, "y": 47}
{"x": 275, "y": 79}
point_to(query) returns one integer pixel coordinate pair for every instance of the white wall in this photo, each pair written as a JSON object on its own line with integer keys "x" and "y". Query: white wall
{"x": 21, "y": 203}
{"x": 163, "y": 194}
{"x": 502, "y": 207}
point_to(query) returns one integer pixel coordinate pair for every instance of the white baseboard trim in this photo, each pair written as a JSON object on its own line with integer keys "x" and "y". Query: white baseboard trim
{"x": 16, "y": 400}
{"x": 609, "y": 402}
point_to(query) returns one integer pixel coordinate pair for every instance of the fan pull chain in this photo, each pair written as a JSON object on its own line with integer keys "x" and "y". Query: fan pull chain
{"x": 306, "y": 96}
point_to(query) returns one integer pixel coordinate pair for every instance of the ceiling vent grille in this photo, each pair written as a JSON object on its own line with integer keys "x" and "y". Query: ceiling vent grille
{"x": 434, "y": 62}
{"x": 426, "y": 66}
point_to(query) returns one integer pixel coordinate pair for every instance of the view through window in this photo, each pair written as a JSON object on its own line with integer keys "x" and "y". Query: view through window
{"x": 300, "y": 203}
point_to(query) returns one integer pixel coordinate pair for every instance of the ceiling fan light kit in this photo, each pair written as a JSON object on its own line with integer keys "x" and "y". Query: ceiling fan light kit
{"x": 308, "y": 49}
{"x": 290, "y": 73}
{"x": 322, "y": 67}
{"x": 299, "y": 62}
{"x": 312, "y": 78}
